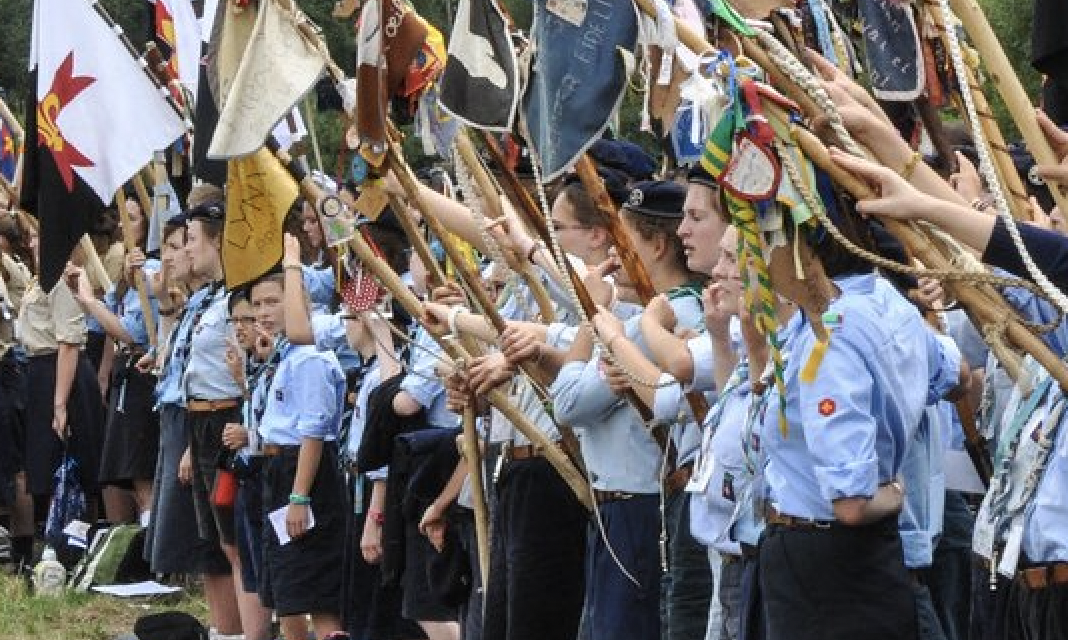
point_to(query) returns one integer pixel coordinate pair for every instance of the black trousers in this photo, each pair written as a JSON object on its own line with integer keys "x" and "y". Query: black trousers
{"x": 536, "y": 559}
{"x": 840, "y": 583}
{"x": 1036, "y": 614}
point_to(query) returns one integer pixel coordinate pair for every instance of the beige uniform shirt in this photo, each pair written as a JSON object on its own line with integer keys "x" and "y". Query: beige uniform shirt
{"x": 45, "y": 320}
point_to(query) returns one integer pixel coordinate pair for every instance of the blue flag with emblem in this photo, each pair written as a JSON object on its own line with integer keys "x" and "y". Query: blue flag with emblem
{"x": 577, "y": 75}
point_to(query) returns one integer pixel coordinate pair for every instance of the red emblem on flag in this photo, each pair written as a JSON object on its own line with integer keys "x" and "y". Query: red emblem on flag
{"x": 65, "y": 88}
{"x": 826, "y": 407}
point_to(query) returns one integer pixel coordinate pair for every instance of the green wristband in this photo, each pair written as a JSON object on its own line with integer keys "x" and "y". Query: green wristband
{"x": 296, "y": 498}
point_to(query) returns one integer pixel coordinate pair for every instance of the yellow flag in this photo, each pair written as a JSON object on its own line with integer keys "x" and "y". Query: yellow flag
{"x": 259, "y": 193}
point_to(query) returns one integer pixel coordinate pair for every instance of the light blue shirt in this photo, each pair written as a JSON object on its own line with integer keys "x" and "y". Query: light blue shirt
{"x": 723, "y": 463}
{"x": 422, "y": 382}
{"x": 920, "y": 522}
{"x": 850, "y": 427}
{"x": 329, "y": 334}
{"x": 207, "y": 376}
{"x": 129, "y": 311}
{"x": 1046, "y": 526}
{"x": 305, "y": 399}
{"x": 620, "y": 452}
{"x": 169, "y": 387}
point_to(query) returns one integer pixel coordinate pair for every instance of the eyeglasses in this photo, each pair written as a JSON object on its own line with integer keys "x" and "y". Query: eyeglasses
{"x": 563, "y": 226}
{"x": 242, "y": 320}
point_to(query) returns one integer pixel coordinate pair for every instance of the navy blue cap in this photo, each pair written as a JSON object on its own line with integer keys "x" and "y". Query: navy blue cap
{"x": 624, "y": 156}
{"x": 698, "y": 175}
{"x": 208, "y": 211}
{"x": 657, "y": 199}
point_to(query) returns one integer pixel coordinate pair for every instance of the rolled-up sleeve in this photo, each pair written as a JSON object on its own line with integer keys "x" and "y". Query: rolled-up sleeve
{"x": 68, "y": 321}
{"x": 315, "y": 383}
{"x": 837, "y": 422}
{"x": 943, "y": 361}
{"x": 704, "y": 363}
{"x": 580, "y": 396}
{"x": 667, "y": 399}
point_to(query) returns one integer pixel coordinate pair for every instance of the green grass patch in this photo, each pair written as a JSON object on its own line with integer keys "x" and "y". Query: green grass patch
{"x": 80, "y": 616}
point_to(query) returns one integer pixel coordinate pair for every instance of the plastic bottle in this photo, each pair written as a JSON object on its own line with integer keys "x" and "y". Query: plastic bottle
{"x": 49, "y": 576}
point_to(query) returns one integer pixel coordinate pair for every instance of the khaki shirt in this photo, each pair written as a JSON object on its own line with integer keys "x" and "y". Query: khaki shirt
{"x": 17, "y": 278}
{"x": 46, "y": 320}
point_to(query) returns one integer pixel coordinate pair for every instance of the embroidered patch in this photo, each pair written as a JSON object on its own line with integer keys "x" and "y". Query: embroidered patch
{"x": 826, "y": 407}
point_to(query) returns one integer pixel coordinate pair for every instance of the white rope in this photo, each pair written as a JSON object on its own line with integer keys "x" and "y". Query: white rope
{"x": 792, "y": 67}
{"x": 986, "y": 165}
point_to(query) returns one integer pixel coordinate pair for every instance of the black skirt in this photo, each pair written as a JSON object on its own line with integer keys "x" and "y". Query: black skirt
{"x": 85, "y": 419}
{"x": 131, "y": 443}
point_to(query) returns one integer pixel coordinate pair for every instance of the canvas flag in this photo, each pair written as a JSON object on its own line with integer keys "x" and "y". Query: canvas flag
{"x": 178, "y": 34}
{"x": 390, "y": 35}
{"x": 582, "y": 54}
{"x": 278, "y": 67}
{"x": 480, "y": 85}
{"x": 259, "y": 192}
{"x": 8, "y": 151}
{"x": 892, "y": 48}
{"x": 93, "y": 121}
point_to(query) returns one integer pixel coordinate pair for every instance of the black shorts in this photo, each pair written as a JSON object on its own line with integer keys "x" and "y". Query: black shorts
{"x": 304, "y": 575}
{"x": 214, "y": 523}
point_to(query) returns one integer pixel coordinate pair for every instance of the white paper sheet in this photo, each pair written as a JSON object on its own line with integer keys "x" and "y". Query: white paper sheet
{"x": 147, "y": 588}
{"x": 278, "y": 522}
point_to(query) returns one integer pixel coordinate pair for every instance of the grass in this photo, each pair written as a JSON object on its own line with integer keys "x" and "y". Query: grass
{"x": 79, "y": 616}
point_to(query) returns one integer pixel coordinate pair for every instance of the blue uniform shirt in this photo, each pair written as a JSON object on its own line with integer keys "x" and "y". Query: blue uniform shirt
{"x": 319, "y": 283}
{"x": 169, "y": 388}
{"x": 207, "y": 376}
{"x": 129, "y": 311}
{"x": 330, "y": 335}
{"x": 920, "y": 522}
{"x": 422, "y": 382}
{"x": 305, "y": 399}
{"x": 849, "y": 428}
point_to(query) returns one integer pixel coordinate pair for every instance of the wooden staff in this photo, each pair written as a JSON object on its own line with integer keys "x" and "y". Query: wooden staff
{"x": 139, "y": 281}
{"x": 478, "y": 492}
{"x": 984, "y": 306}
{"x": 491, "y": 196}
{"x": 16, "y": 127}
{"x": 1016, "y": 193}
{"x": 403, "y": 295}
{"x": 1010, "y": 88}
{"x": 93, "y": 265}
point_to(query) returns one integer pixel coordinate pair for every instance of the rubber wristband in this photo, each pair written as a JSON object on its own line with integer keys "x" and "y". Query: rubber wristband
{"x": 296, "y": 498}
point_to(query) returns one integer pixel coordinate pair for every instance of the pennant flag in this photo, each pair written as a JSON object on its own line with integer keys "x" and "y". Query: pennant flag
{"x": 177, "y": 32}
{"x": 259, "y": 193}
{"x": 389, "y": 37}
{"x": 97, "y": 117}
{"x": 278, "y": 67}
{"x": 8, "y": 151}
{"x": 892, "y": 48}
{"x": 480, "y": 85}
{"x": 582, "y": 57}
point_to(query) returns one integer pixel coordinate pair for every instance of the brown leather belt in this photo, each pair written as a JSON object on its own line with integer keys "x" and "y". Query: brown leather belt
{"x": 771, "y": 516}
{"x": 527, "y": 451}
{"x": 210, "y": 406}
{"x": 678, "y": 479}
{"x": 611, "y": 496}
{"x": 275, "y": 450}
{"x": 1047, "y": 575}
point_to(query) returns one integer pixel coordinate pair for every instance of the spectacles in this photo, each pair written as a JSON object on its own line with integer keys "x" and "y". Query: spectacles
{"x": 563, "y": 226}
{"x": 242, "y": 320}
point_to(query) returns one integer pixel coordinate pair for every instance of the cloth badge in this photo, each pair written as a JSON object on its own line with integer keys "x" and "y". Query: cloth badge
{"x": 827, "y": 407}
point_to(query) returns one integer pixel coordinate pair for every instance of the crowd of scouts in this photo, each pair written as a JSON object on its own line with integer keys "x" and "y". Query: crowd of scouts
{"x": 293, "y": 441}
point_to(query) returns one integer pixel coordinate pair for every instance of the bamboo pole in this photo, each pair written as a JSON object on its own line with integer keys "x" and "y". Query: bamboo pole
{"x": 478, "y": 493}
{"x": 1016, "y": 193}
{"x": 403, "y": 295}
{"x": 492, "y": 197}
{"x": 984, "y": 305}
{"x": 93, "y": 265}
{"x": 1010, "y": 88}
